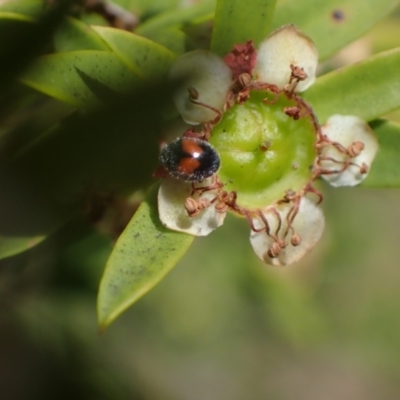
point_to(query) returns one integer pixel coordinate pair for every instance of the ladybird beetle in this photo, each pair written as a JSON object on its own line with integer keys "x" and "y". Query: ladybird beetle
{"x": 190, "y": 159}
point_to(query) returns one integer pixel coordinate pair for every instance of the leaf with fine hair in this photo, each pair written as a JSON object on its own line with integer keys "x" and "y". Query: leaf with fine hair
{"x": 76, "y": 35}
{"x": 145, "y": 58}
{"x": 144, "y": 253}
{"x": 85, "y": 79}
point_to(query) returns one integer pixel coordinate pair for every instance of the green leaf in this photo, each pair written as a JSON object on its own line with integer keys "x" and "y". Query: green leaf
{"x": 75, "y": 35}
{"x": 21, "y": 42}
{"x": 173, "y": 29}
{"x": 87, "y": 157}
{"x": 30, "y": 8}
{"x": 148, "y": 7}
{"x": 368, "y": 90}
{"x": 6, "y": 16}
{"x": 177, "y": 18}
{"x": 10, "y": 246}
{"x": 144, "y": 253}
{"x": 332, "y": 24}
{"x": 145, "y": 58}
{"x": 385, "y": 35}
{"x": 171, "y": 38}
{"x": 237, "y": 21}
{"x": 385, "y": 171}
{"x": 81, "y": 78}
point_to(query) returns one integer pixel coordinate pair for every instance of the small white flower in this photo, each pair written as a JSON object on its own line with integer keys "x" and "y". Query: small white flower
{"x": 200, "y": 70}
{"x": 172, "y": 196}
{"x": 290, "y": 242}
{"x": 284, "y": 47}
{"x": 353, "y": 161}
{"x": 285, "y": 64}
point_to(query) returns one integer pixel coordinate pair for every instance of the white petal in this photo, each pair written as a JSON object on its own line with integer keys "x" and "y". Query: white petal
{"x": 208, "y": 74}
{"x": 173, "y": 215}
{"x": 279, "y": 50}
{"x": 308, "y": 224}
{"x": 347, "y": 130}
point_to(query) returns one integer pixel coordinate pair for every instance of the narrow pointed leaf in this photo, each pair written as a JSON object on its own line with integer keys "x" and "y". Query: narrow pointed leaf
{"x": 176, "y": 18}
{"x": 22, "y": 42}
{"x": 30, "y": 8}
{"x": 237, "y": 21}
{"x": 368, "y": 90}
{"x": 8, "y": 16}
{"x": 10, "y": 246}
{"x": 332, "y": 24}
{"x": 144, "y": 253}
{"x": 81, "y": 163}
{"x": 385, "y": 171}
{"x": 76, "y": 35}
{"x": 149, "y": 7}
{"x": 172, "y": 38}
{"x": 147, "y": 59}
{"x": 82, "y": 78}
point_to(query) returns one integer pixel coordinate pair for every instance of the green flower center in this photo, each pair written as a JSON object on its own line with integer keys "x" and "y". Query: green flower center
{"x": 263, "y": 151}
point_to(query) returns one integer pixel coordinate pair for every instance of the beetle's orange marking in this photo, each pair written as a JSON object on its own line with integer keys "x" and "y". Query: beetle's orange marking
{"x": 188, "y": 165}
{"x": 191, "y": 147}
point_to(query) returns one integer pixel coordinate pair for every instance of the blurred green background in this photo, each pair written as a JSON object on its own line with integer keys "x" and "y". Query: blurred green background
{"x": 221, "y": 325}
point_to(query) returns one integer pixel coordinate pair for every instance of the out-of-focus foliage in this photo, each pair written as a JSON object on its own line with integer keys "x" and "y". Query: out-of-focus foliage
{"x": 386, "y": 171}
{"x": 83, "y": 111}
{"x": 335, "y": 23}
